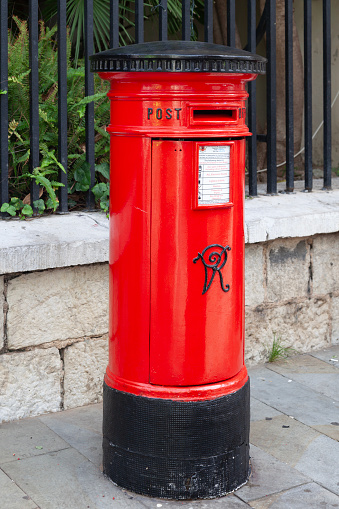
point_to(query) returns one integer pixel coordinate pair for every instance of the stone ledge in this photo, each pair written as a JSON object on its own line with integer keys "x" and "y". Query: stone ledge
{"x": 81, "y": 238}
{"x": 291, "y": 215}
{"x": 78, "y": 238}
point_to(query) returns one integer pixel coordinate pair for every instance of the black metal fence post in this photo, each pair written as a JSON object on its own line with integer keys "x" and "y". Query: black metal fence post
{"x": 163, "y": 20}
{"x": 208, "y": 25}
{"x": 114, "y": 24}
{"x": 139, "y": 21}
{"x": 289, "y": 95}
{"x": 186, "y": 20}
{"x": 252, "y": 102}
{"x": 231, "y": 23}
{"x": 308, "y": 93}
{"x": 271, "y": 98}
{"x": 89, "y": 90}
{"x": 62, "y": 104}
{"x": 34, "y": 93}
{"x": 4, "y": 104}
{"x": 327, "y": 93}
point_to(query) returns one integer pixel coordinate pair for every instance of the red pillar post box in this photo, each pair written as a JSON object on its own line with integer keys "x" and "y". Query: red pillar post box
{"x": 176, "y": 390}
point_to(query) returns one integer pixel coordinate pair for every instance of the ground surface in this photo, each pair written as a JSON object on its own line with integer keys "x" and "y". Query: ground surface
{"x": 54, "y": 461}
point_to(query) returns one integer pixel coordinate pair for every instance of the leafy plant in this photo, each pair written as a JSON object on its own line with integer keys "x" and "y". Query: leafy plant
{"x": 101, "y": 20}
{"x": 101, "y": 189}
{"x": 278, "y": 351}
{"x": 46, "y": 175}
{"x": 17, "y": 206}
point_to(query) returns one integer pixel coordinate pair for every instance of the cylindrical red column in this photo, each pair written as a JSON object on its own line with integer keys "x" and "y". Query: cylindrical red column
{"x": 176, "y": 390}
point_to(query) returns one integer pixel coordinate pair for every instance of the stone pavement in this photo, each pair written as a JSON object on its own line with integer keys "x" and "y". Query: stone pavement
{"x": 54, "y": 461}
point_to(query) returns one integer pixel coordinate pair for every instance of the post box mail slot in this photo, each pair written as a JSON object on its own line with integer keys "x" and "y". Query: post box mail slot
{"x": 176, "y": 390}
{"x": 213, "y": 116}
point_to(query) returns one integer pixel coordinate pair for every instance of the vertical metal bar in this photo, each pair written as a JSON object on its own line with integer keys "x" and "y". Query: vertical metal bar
{"x": 139, "y": 21}
{"x": 271, "y": 99}
{"x": 327, "y": 93}
{"x": 308, "y": 92}
{"x": 62, "y": 104}
{"x": 114, "y": 24}
{"x": 163, "y": 20}
{"x": 34, "y": 93}
{"x": 89, "y": 90}
{"x": 186, "y": 20}
{"x": 4, "y": 103}
{"x": 252, "y": 112}
{"x": 231, "y": 23}
{"x": 208, "y": 25}
{"x": 289, "y": 95}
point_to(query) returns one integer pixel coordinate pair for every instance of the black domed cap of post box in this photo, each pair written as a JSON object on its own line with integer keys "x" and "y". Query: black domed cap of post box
{"x": 178, "y": 56}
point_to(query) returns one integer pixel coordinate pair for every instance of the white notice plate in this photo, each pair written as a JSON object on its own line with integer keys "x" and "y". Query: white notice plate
{"x": 214, "y": 175}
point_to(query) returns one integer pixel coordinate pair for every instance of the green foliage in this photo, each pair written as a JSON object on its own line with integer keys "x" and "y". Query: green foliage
{"x": 101, "y": 190}
{"x": 82, "y": 178}
{"x": 278, "y": 351}
{"x": 47, "y": 174}
{"x": 101, "y": 20}
{"x": 17, "y": 206}
{"x": 49, "y": 185}
{"x": 39, "y": 205}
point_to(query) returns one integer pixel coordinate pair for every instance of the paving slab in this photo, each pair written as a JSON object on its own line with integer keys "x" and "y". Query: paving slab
{"x": 268, "y": 476}
{"x": 81, "y": 428}
{"x": 310, "y": 496}
{"x": 261, "y": 411}
{"x": 26, "y": 438}
{"x": 67, "y": 480}
{"x": 12, "y": 497}
{"x": 227, "y": 502}
{"x": 310, "y": 371}
{"x": 292, "y": 398}
{"x": 320, "y": 462}
{"x": 328, "y": 354}
{"x": 87, "y": 417}
{"x": 284, "y": 438}
{"x": 330, "y": 430}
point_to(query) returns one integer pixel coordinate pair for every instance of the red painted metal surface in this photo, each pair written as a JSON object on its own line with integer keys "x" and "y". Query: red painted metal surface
{"x": 195, "y": 338}
{"x": 186, "y": 393}
{"x": 168, "y": 339}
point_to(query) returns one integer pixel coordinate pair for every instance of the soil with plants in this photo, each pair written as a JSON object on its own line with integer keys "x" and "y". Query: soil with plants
{"x": 78, "y": 172}
{"x": 46, "y": 175}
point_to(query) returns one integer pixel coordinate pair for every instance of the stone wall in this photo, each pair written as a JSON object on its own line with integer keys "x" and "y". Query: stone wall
{"x": 292, "y": 293}
{"x": 54, "y": 345}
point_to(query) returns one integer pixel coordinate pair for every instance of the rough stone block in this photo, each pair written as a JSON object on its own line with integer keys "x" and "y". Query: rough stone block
{"x": 30, "y": 383}
{"x": 288, "y": 263}
{"x": 326, "y": 264}
{"x": 303, "y": 326}
{"x": 335, "y": 320}
{"x": 57, "y": 304}
{"x": 254, "y": 275}
{"x": 85, "y": 365}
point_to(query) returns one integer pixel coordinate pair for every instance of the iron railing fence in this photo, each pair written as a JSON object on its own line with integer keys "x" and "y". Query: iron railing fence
{"x": 255, "y": 31}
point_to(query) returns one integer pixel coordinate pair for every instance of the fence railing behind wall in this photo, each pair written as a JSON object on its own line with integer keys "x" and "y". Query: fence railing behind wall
{"x": 4, "y": 104}
{"x": 256, "y": 30}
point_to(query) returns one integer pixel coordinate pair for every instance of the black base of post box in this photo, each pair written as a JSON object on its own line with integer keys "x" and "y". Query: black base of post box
{"x": 177, "y": 449}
